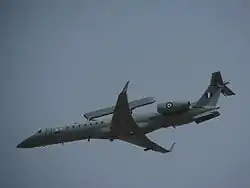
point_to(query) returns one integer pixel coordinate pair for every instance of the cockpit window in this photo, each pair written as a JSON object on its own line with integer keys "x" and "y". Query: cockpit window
{"x": 39, "y": 131}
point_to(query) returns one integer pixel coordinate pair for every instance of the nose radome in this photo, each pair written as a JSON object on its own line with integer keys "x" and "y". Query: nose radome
{"x": 22, "y": 144}
{"x": 25, "y": 143}
{"x": 18, "y": 146}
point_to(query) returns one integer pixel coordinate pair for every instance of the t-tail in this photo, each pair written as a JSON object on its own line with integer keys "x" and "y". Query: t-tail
{"x": 216, "y": 87}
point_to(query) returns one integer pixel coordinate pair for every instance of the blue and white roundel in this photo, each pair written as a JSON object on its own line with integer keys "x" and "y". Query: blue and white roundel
{"x": 169, "y": 105}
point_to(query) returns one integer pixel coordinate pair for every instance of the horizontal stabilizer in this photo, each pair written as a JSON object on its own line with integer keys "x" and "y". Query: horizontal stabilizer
{"x": 227, "y": 91}
{"x": 109, "y": 110}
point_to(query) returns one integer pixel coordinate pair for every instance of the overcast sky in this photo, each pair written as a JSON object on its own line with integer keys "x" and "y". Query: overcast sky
{"x": 63, "y": 58}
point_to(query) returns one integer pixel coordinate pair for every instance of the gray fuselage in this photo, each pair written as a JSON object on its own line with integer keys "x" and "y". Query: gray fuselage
{"x": 100, "y": 129}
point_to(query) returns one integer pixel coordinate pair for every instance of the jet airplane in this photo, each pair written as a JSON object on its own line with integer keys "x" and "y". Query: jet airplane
{"x": 132, "y": 127}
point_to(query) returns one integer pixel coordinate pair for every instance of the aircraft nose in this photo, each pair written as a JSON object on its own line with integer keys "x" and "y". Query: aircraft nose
{"x": 27, "y": 143}
{"x": 23, "y": 144}
{"x": 20, "y": 145}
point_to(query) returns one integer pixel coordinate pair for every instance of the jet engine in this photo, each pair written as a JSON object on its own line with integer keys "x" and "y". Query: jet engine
{"x": 207, "y": 117}
{"x": 173, "y": 107}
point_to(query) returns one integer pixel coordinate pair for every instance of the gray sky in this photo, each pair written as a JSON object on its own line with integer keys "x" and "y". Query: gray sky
{"x": 63, "y": 58}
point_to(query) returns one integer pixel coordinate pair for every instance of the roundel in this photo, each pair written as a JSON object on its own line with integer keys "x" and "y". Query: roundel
{"x": 169, "y": 105}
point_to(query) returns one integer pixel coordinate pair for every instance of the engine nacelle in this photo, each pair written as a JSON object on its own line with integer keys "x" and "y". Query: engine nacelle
{"x": 173, "y": 107}
{"x": 207, "y": 117}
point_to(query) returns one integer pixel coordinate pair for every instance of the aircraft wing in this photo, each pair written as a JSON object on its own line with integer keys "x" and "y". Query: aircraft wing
{"x": 125, "y": 128}
{"x": 146, "y": 143}
{"x": 109, "y": 110}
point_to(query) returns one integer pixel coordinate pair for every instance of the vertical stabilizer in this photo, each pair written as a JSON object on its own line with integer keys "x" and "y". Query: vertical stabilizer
{"x": 211, "y": 95}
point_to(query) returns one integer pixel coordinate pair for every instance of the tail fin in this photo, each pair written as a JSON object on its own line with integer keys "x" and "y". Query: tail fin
{"x": 211, "y": 95}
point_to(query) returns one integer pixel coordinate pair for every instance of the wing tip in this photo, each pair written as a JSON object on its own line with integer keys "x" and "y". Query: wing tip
{"x": 125, "y": 88}
{"x": 172, "y": 146}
